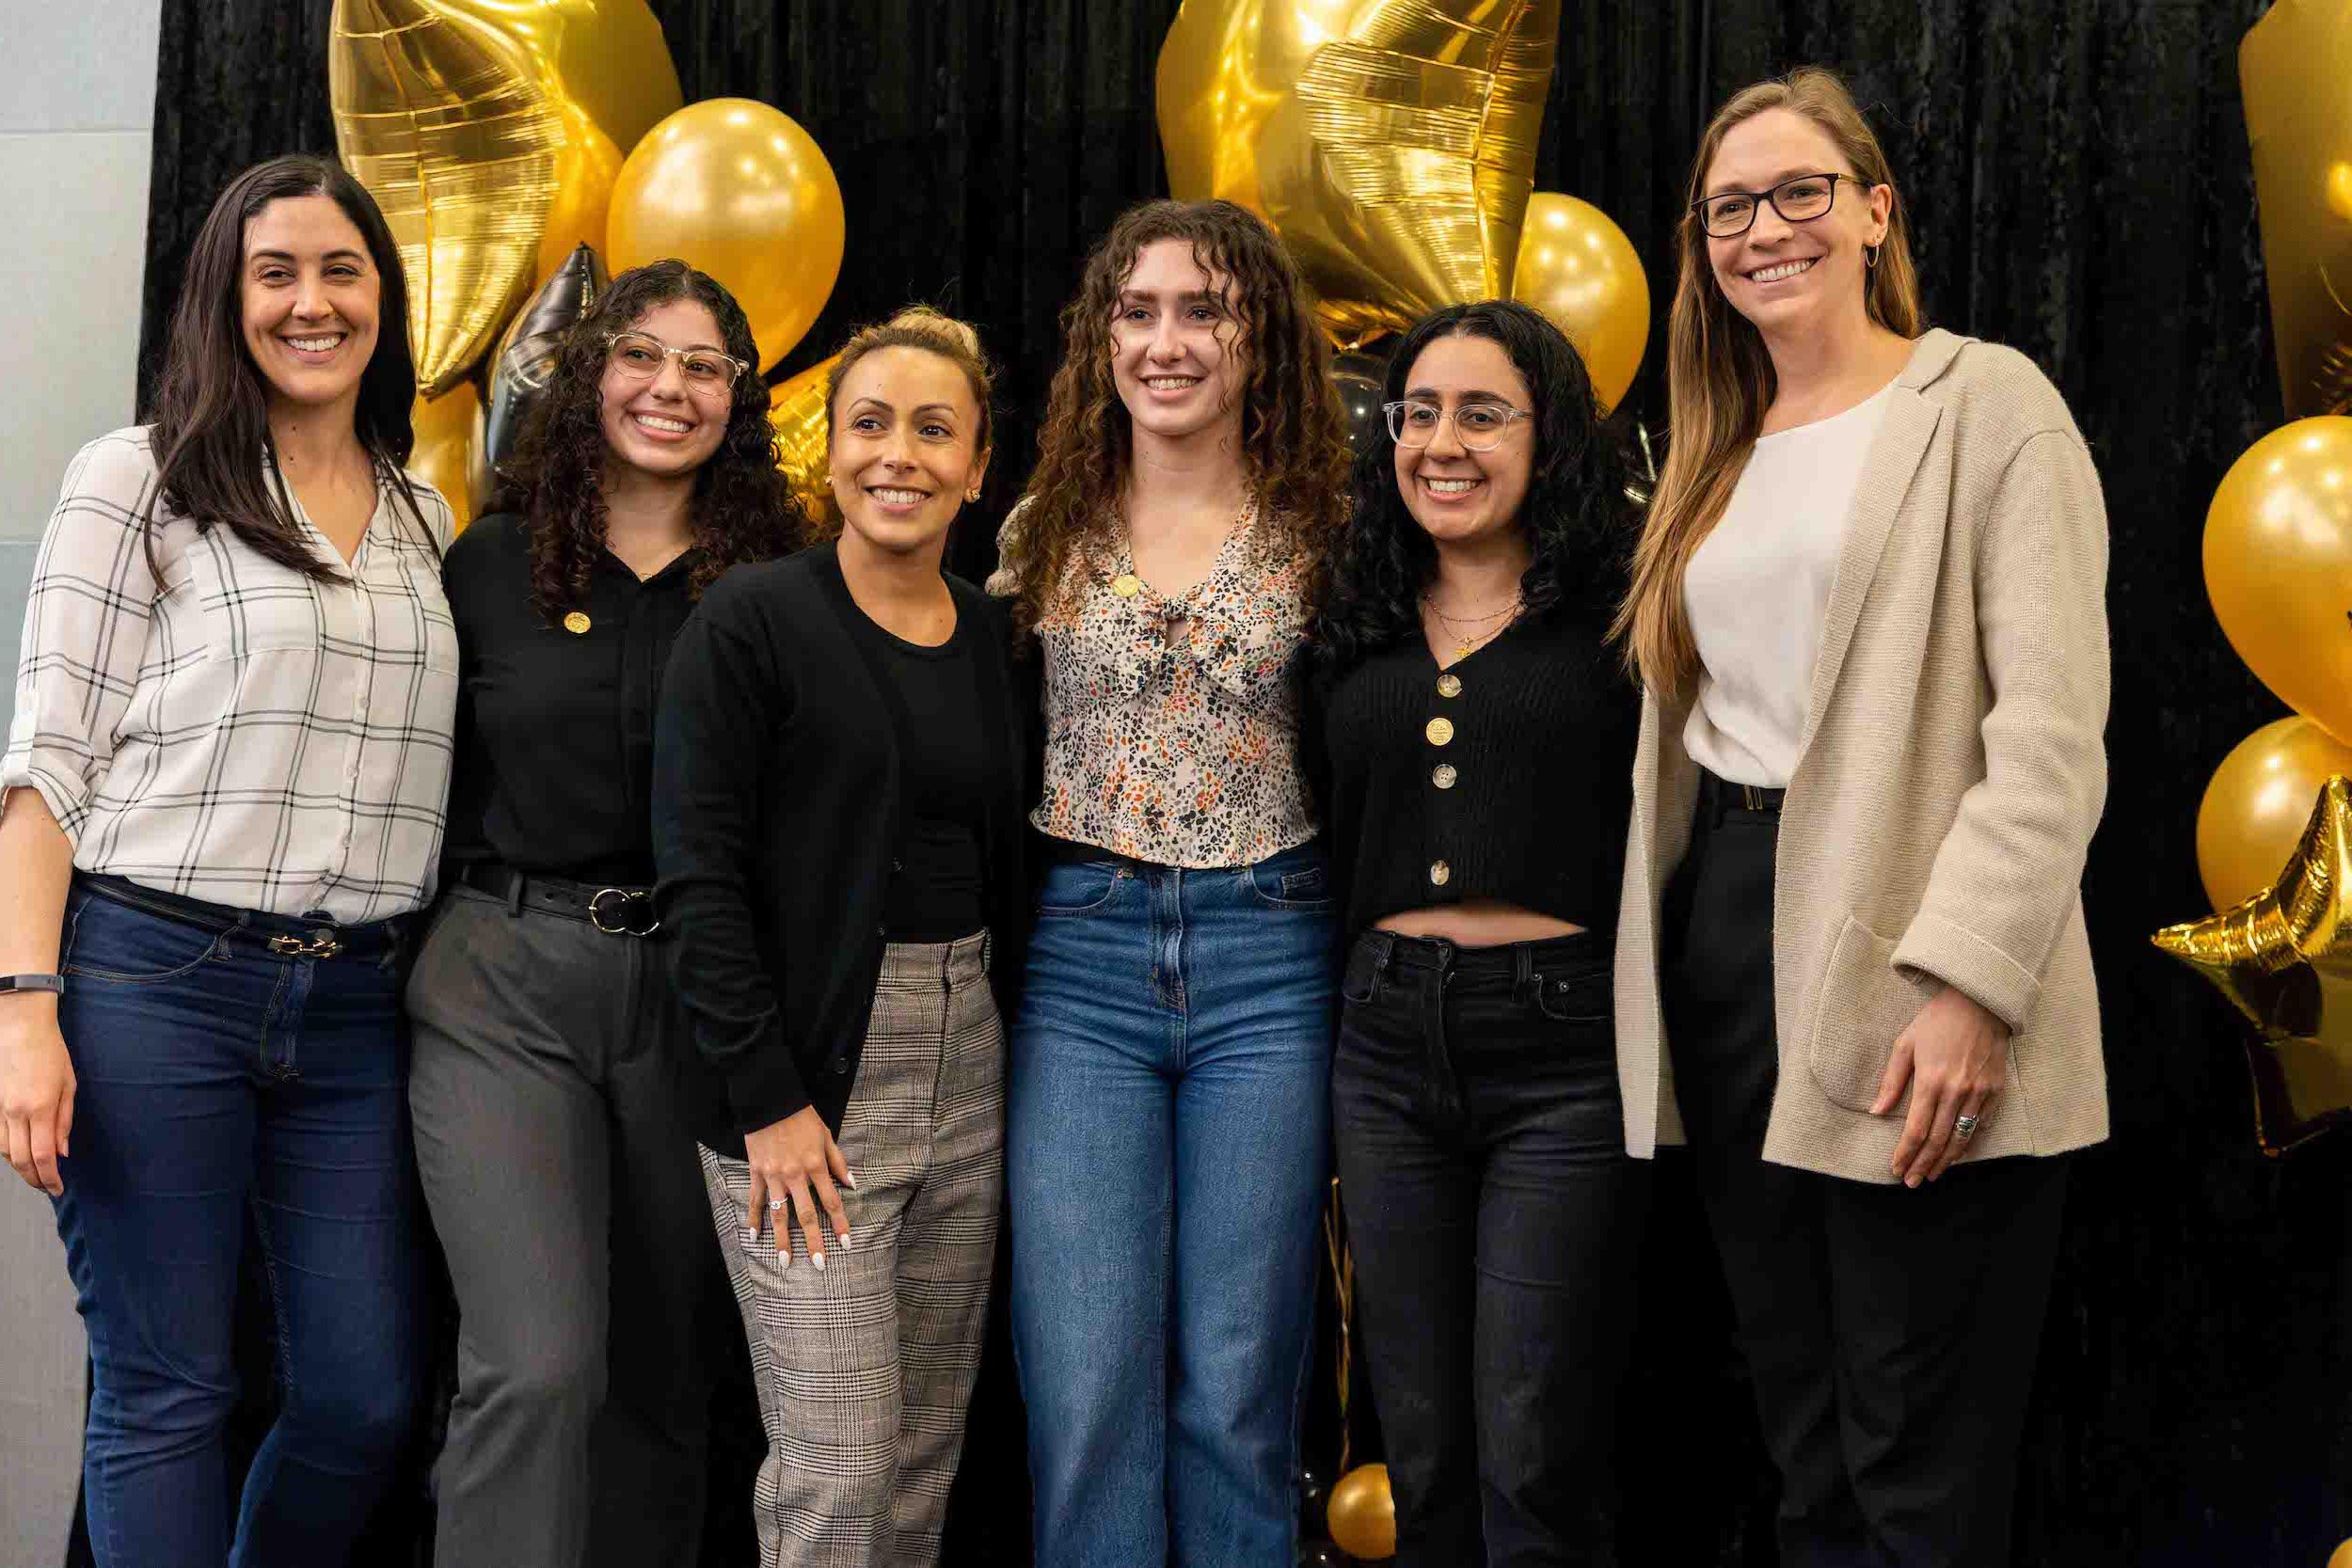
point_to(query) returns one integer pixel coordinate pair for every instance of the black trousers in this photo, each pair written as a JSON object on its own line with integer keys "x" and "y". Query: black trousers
{"x": 1890, "y": 1332}
{"x": 1495, "y": 1221}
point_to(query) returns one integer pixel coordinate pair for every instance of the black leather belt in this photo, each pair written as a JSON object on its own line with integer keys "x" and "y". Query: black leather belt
{"x": 1721, "y": 795}
{"x": 618, "y": 912}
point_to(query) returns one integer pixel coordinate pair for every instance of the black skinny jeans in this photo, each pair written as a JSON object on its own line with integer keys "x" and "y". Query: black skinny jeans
{"x": 1495, "y": 1220}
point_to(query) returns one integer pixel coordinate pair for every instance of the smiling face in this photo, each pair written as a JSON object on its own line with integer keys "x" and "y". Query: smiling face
{"x": 662, "y": 426}
{"x": 309, "y": 295}
{"x": 1454, "y": 493}
{"x": 1790, "y": 276}
{"x": 905, "y": 453}
{"x": 1176, "y": 351}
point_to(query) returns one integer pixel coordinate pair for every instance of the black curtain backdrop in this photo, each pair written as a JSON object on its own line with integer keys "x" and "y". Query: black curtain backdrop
{"x": 2078, "y": 175}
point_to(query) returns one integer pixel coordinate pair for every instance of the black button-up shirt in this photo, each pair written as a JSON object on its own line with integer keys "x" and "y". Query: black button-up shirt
{"x": 555, "y": 724}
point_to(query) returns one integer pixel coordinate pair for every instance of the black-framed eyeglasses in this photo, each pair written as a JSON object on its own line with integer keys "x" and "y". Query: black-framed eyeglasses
{"x": 1479, "y": 426}
{"x": 639, "y": 356}
{"x": 1798, "y": 198}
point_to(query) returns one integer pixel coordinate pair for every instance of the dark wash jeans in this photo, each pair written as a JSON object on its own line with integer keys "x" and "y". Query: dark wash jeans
{"x": 218, "y": 1078}
{"x": 1496, "y": 1222}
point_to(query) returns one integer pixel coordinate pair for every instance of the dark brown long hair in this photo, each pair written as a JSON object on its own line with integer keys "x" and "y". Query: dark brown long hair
{"x": 212, "y": 405}
{"x": 1293, "y": 440}
{"x": 743, "y": 507}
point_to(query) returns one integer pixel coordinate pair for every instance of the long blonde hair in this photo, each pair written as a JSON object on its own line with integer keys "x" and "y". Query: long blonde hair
{"x": 1720, "y": 380}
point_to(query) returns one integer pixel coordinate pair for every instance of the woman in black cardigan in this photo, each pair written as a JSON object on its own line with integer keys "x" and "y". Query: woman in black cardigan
{"x": 838, "y": 824}
{"x": 1476, "y": 736}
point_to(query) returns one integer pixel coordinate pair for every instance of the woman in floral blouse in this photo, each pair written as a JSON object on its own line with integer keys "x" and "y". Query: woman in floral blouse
{"x": 1167, "y": 1116}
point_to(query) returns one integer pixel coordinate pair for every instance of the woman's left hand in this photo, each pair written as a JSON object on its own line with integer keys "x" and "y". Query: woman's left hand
{"x": 1955, "y": 1057}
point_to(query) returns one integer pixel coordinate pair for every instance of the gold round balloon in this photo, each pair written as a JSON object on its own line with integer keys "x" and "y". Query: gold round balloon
{"x": 1362, "y": 1513}
{"x": 1578, "y": 268}
{"x": 608, "y": 58}
{"x": 2341, "y": 1557}
{"x": 447, "y": 429}
{"x": 2258, "y": 802}
{"x": 447, "y": 122}
{"x": 583, "y": 193}
{"x": 738, "y": 189}
{"x": 1392, "y": 143}
{"x": 797, "y": 413}
{"x": 2278, "y": 565}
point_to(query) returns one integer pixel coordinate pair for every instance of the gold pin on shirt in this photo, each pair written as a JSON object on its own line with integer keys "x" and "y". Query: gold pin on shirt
{"x": 576, "y": 623}
{"x": 1439, "y": 731}
{"x": 1126, "y": 585}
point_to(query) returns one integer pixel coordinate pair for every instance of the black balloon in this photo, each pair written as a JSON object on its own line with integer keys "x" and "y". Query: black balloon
{"x": 1314, "y": 1499}
{"x": 1359, "y": 378}
{"x": 517, "y": 369}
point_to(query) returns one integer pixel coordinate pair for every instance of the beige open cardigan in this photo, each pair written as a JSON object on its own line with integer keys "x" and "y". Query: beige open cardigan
{"x": 1950, "y": 774}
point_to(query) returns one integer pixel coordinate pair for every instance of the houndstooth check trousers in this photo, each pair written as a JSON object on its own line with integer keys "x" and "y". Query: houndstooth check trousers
{"x": 866, "y": 1369}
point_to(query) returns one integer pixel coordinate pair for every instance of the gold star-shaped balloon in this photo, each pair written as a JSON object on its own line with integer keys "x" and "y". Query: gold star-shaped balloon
{"x": 2283, "y": 959}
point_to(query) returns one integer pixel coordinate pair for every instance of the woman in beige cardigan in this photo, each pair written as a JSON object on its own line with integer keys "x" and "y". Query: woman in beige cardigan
{"x": 1868, "y": 614}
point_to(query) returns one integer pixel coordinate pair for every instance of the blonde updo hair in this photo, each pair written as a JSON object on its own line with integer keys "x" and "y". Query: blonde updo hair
{"x": 920, "y": 327}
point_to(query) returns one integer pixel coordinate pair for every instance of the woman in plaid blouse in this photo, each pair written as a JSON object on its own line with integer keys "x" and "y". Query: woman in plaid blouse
{"x": 223, "y": 795}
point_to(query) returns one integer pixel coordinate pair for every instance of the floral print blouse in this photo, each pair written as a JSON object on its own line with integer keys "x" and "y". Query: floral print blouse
{"x": 1181, "y": 751}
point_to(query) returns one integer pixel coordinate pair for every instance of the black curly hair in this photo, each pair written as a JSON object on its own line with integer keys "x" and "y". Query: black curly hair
{"x": 743, "y": 508}
{"x": 1576, "y": 515}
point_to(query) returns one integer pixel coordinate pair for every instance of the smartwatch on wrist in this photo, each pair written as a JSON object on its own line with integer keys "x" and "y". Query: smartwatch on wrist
{"x": 53, "y": 983}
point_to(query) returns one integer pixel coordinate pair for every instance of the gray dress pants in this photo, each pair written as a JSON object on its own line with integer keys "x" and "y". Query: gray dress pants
{"x": 564, "y": 1181}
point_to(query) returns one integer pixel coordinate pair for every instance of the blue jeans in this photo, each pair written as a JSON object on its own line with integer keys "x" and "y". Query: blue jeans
{"x": 1167, "y": 1122}
{"x": 218, "y": 1079}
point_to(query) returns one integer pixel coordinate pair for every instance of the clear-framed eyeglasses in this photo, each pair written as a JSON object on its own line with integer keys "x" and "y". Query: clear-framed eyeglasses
{"x": 638, "y": 356}
{"x": 1479, "y": 426}
{"x": 1799, "y": 199}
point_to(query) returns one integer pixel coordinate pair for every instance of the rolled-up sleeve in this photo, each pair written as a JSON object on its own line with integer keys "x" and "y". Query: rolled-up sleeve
{"x": 86, "y": 630}
{"x": 2010, "y": 870}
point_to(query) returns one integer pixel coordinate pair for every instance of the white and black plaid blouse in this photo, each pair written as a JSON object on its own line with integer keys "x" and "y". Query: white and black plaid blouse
{"x": 231, "y": 730}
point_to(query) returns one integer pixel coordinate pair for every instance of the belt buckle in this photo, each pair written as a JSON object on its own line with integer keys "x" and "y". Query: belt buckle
{"x": 1751, "y": 796}
{"x": 324, "y": 946}
{"x": 630, "y": 898}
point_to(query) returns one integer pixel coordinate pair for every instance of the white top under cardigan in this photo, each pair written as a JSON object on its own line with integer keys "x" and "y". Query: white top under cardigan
{"x": 224, "y": 727}
{"x": 1758, "y": 594}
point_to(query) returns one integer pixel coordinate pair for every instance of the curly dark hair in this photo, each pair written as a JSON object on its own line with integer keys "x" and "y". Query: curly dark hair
{"x": 743, "y": 507}
{"x": 1576, "y": 514}
{"x": 1293, "y": 438}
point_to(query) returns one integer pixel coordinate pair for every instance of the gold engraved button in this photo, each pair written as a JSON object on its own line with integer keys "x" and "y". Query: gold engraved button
{"x": 1126, "y": 585}
{"x": 1439, "y": 731}
{"x": 576, "y": 623}
{"x": 1449, "y": 685}
{"x": 1443, "y": 775}
{"x": 1441, "y": 873}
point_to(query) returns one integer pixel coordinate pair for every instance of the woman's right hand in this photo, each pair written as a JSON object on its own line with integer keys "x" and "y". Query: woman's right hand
{"x": 35, "y": 1089}
{"x": 796, "y": 1162}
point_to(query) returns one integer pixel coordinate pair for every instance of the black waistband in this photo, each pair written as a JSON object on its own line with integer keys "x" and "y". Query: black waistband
{"x": 1504, "y": 958}
{"x": 614, "y": 910}
{"x": 292, "y": 936}
{"x": 1718, "y": 796}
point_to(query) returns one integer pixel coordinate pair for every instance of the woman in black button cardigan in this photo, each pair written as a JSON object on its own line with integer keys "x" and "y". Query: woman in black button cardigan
{"x": 1475, "y": 738}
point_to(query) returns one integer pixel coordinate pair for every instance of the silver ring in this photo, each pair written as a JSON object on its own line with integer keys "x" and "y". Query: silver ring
{"x": 1965, "y": 1128}
{"x": 776, "y": 1203}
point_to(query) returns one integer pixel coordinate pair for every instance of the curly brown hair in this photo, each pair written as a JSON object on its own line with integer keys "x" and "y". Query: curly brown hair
{"x": 1293, "y": 437}
{"x": 934, "y": 332}
{"x": 743, "y": 508}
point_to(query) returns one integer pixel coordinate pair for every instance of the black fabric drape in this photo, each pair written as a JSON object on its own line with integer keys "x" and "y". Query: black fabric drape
{"x": 2078, "y": 179}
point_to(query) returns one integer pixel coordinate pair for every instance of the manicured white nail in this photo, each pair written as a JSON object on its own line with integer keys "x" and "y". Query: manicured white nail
{"x": 843, "y": 1237}
{"x": 817, "y": 1258}
{"x": 849, "y": 1179}
{"x": 784, "y": 1258}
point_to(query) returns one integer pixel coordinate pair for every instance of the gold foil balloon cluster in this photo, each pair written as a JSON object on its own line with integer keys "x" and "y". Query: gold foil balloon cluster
{"x": 2271, "y": 830}
{"x": 500, "y": 136}
{"x": 1391, "y": 144}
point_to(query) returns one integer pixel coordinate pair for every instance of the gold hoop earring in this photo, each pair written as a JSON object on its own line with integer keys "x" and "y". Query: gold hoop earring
{"x": 1870, "y": 254}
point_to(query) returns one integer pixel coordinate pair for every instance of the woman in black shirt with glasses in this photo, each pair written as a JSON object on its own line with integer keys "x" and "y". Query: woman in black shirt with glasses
{"x": 556, "y": 1153}
{"x": 1476, "y": 738}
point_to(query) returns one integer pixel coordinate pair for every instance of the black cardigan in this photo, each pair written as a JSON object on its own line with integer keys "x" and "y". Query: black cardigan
{"x": 1539, "y": 779}
{"x": 775, "y": 815}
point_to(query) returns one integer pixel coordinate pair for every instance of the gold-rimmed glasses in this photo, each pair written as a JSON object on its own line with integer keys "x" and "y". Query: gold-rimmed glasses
{"x": 638, "y": 356}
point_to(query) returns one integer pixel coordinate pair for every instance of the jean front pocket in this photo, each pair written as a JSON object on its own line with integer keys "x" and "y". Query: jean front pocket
{"x": 106, "y": 940}
{"x": 1291, "y": 881}
{"x": 1574, "y": 995}
{"x": 1080, "y": 887}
